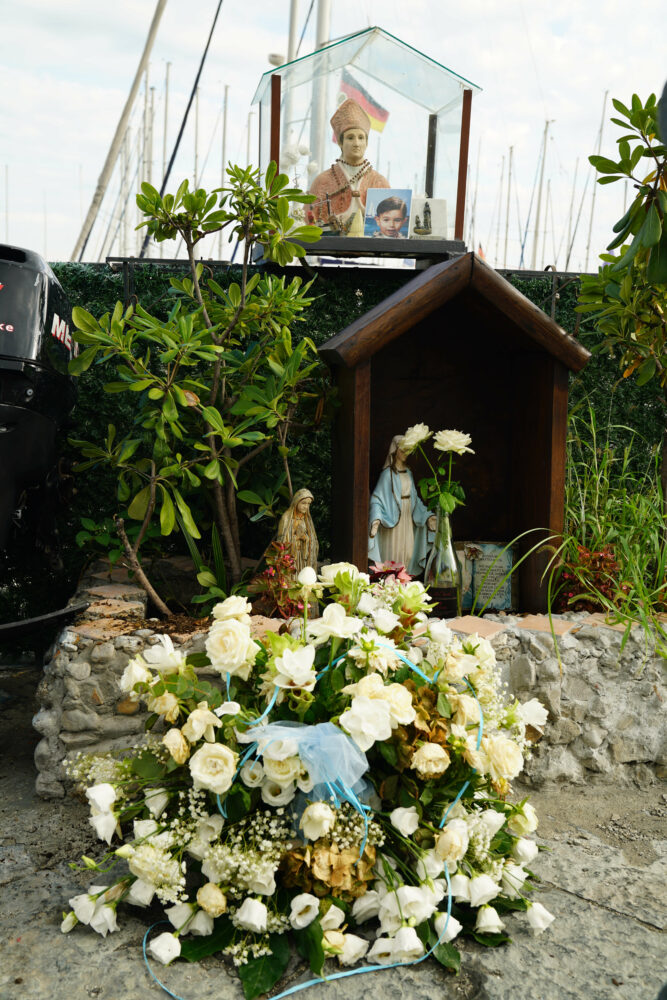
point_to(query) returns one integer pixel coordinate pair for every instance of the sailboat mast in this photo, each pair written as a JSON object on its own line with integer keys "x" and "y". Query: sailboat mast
{"x": 595, "y": 187}
{"x": 539, "y": 197}
{"x": 507, "y": 210}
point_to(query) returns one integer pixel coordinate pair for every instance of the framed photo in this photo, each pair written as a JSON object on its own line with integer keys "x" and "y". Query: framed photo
{"x": 387, "y": 212}
{"x": 428, "y": 219}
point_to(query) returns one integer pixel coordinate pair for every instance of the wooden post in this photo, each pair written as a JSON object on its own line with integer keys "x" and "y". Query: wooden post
{"x": 430, "y": 154}
{"x": 274, "y": 148}
{"x": 463, "y": 165}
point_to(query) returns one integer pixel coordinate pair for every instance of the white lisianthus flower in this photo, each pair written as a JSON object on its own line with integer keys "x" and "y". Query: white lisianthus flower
{"x": 233, "y": 607}
{"x": 440, "y": 633}
{"x": 456, "y": 441}
{"x": 201, "y": 722}
{"x": 382, "y": 951}
{"x": 277, "y": 795}
{"x": 491, "y": 820}
{"x": 482, "y": 890}
{"x": 263, "y": 880}
{"x": 452, "y": 843}
{"x": 295, "y": 669}
{"x": 414, "y": 436}
{"x": 384, "y": 620}
{"x": 252, "y": 915}
{"x": 367, "y": 720}
{"x": 366, "y": 907}
{"x": 101, "y": 796}
{"x": 165, "y": 947}
{"x": 504, "y": 756}
{"x": 460, "y": 888}
{"x": 252, "y": 774}
{"x": 305, "y": 782}
{"x": 164, "y": 657}
{"x": 177, "y": 745}
{"x": 512, "y": 879}
{"x": 354, "y": 949}
{"x": 329, "y": 572}
{"x": 179, "y": 915}
{"x": 407, "y": 945}
{"x": 164, "y": 704}
{"x": 83, "y": 906}
{"x": 335, "y": 624}
{"x": 141, "y": 893}
{"x": 307, "y": 577}
{"x": 524, "y": 821}
{"x": 208, "y": 828}
{"x": 333, "y": 918}
{"x": 213, "y": 767}
{"x": 304, "y": 908}
{"x": 227, "y": 708}
{"x": 367, "y": 604}
{"x": 156, "y": 800}
{"x": 405, "y": 819}
{"x": 538, "y": 917}
{"x": 525, "y": 851}
{"x": 212, "y": 899}
{"x": 488, "y": 921}
{"x": 318, "y": 820}
{"x": 136, "y": 672}
{"x": 230, "y": 647}
{"x": 484, "y": 652}
{"x": 103, "y": 823}
{"x": 103, "y": 920}
{"x": 416, "y": 901}
{"x": 430, "y": 760}
{"x": 451, "y": 928}
{"x": 430, "y": 865}
{"x": 273, "y": 749}
{"x": 201, "y": 924}
{"x": 533, "y": 713}
{"x": 143, "y": 828}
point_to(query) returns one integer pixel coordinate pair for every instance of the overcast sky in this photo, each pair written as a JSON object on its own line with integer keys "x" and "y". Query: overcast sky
{"x": 66, "y": 68}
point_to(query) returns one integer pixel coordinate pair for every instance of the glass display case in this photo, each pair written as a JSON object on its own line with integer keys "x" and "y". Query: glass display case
{"x": 419, "y": 117}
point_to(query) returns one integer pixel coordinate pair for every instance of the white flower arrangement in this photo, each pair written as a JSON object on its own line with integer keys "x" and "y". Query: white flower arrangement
{"x": 332, "y": 781}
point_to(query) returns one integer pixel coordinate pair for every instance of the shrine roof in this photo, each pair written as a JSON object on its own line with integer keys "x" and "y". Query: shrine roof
{"x": 467, "y": 275}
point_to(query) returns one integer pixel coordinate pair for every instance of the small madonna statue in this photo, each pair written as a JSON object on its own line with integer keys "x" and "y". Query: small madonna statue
{"x": 297, "y": 531}
{"x": 400, "y": 524}
{"x": 341, "y": 190}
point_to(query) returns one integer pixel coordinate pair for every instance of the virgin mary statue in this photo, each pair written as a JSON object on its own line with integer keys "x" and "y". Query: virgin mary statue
{"x": 400, "y": 526}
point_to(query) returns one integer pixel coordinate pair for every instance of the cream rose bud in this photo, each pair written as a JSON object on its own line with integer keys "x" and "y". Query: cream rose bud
{"x": 201, "y": 722}
{"x": 524, "y": 821}
{"x": 252, "y": 915}
{"x": 332, "y": 919}
{"x": 482, "y": 890}
{"x": 177, "y": 745}
{"x": 165, "y": 947}
{"x": 101, "y": 796}
{"x": 213, "y": 767}
{"x": 504, "y": 756}
{"x": 318, "y": 820}
{"x": 307, "y": 577}
{"x": 366, "y": 907}
{"x": 164, "y": 704}
{"x": 401, "y": 709}
{"x": 230, "y": 648}
{"x": 538, "y": 917}
{"x": 69, "y": 922}
{"x": 304, "y": 908}
{"x": 212, "y": 899}
{"x": 329, "y": 572}
{"x": 430, "y": 760}
{"x": 136, "y": 672}
{"x": 233, "y": 607}
{"x": 354, "y": 949}
{"x": 405, "y": 819}
{"x": 488, "y": 921}
{"x": 252, "y": 774}
{"x": 525, "y": 851}
{"x": 466, "y": 709}
{"x": 452, "y": 843}
{"x": 447, "y": 929}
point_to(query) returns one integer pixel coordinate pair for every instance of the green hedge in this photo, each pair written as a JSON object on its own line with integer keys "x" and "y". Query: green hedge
{"x": 341, "y": 296}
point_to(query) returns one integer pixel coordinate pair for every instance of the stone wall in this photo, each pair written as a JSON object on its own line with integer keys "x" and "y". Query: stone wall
{"x": 606, "y": 707}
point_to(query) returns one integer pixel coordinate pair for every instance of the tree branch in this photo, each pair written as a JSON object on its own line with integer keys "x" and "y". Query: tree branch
{"x": 137, "y": 568}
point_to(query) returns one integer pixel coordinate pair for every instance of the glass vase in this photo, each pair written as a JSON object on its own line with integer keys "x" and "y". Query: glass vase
{"x": 443, "y": 575}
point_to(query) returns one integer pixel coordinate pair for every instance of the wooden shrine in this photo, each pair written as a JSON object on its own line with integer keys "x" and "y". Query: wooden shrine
{"x": 458, "y": 347}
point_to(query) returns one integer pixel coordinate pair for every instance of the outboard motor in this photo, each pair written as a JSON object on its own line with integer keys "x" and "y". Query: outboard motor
{"x": 36, "y": 392}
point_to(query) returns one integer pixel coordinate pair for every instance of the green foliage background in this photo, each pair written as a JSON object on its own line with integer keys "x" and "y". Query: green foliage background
{"x": 38, "y": 575}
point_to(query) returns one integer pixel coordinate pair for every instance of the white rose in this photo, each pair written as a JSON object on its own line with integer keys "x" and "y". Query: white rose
{"x": 354, "y": 949}
{"x": 156, "y": 800}
{"x": 458, "y": 665}
{"x": 488, "y": 921}
{"x": 333, "y": 918}
{"x": 334, "y": 623}
{"x": 430, "y": 761}
{"x": 440, "y": 633}
{"x": 332, "y": 942}
{"x": 252, "y": 774}
{"x": 252, "y": 916}
{"x": 164, "y": 704}
{"x": 407, "y": 945}
{"x": 368, "y": 720}
{"x": 163, "y": 656}
{"x": 295, "y": 669}
{"x": 524, "y": 821}
{"x": 277, "y": 795}
{"x": 201, "y": 722}
{"x": 466, "y": 708}
{"x": 455, "y": 441}
{"x": 136, "y": 672}
{"x": 384, "y": 620}
{"x": 283, "y": 772}
{"x": 401, "y": 710}
{"x": 177, "y": 745}
{"x": 504, "y": 756}
{"x": 165, "y": 947}
{"x": 233, "y": 607}
{"x": 405, "y": 819}
{"x": 413, "y": 436}
{"x": 447, "y": 929}
{"x": 525, "y": 851}
{"x": 212, "y": 899}
{"x": 318, "y": 820}
{"x": 452, "y": 843}
{"x": 482, "y": 890}
{"x": 533, "y": 713}
{"x": 491, "y": 820}
{"x": 304, "y": 908}
{"x": 101, "y": 796}
{"x": 538, "y": 917}
{"x": 367, "y": 604}
{"x": 307, "y": 577}
{"x": 329, "y": 572}
{"x": 212, "y": 767}
{"x": 231, "y": 648}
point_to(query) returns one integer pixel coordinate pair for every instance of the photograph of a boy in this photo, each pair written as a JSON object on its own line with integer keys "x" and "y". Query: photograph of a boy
{"x": 387, "y": 217}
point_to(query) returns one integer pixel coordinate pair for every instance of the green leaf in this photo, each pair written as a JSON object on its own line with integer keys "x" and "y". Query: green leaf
{"x": 83, "y": 362}
{"x": 646, "y": 371}
{"x": 167, "y": 513}
{"x": 656, "y": 271}
{"x": 139, "y": 506}
{"x": 448, "y": 955}
{"x": 308, "y": 942}
{"x": 186, "y": 514}
{"x": 389, "y": 752}
{"x": 259, "y": 975}
{"x": 443, "y": 706}
{"x": 247, "y": 496}
{"x": 193, "y": 949}
{"x": 651, "y": 231}
{"x": 603, "y": 165}
{"x": 146, "y": 766}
